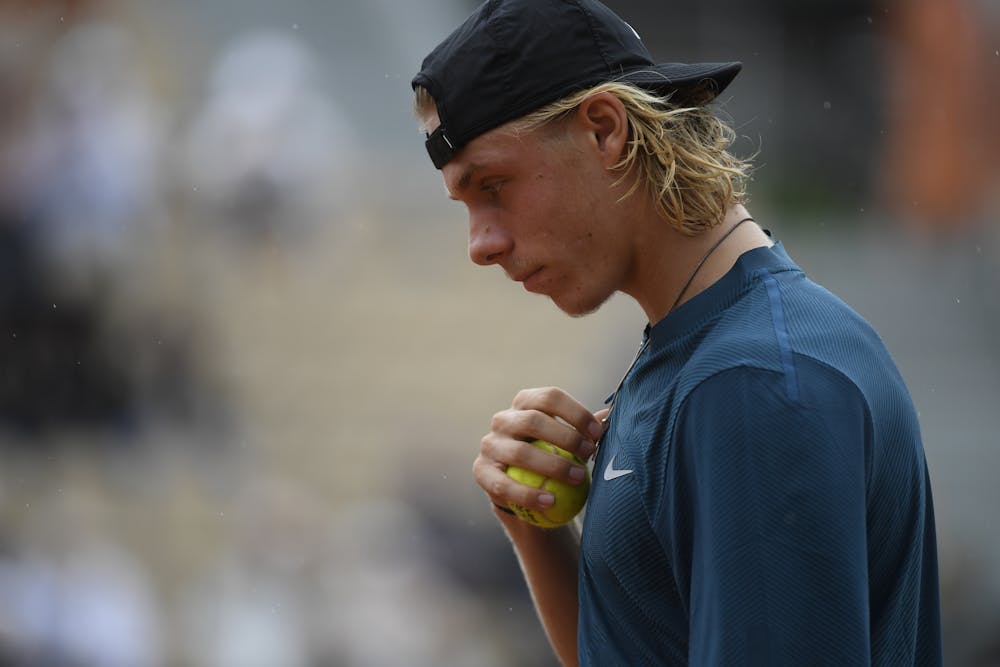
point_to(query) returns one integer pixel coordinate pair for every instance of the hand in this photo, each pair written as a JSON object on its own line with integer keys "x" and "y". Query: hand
{"x": 549, "y": 414}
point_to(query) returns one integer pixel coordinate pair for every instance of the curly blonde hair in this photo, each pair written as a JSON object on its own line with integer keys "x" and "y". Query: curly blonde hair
{"x": 680, "y": 154}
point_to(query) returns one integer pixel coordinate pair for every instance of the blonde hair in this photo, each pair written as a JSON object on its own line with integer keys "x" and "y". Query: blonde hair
{"x": 423, "y": 106}
{"x": 680, "y": 154}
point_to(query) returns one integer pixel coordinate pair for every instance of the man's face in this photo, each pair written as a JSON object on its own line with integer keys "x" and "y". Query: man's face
{"x": 542, "y": 207}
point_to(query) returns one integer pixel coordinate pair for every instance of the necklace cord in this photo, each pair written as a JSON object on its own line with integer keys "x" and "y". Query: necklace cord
{"x": 703, "y": 260}
{"x": 610, "y": 400}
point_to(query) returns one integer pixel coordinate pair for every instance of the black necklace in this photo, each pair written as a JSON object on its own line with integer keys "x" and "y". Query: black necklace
{"x": 702, "y": 262}
{"x": 610, "y": 401}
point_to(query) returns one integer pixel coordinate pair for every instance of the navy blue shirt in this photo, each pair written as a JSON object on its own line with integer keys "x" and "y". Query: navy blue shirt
{"x": 761, "y": 495}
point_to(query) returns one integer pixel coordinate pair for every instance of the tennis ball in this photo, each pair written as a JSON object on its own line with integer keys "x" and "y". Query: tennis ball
{"x": 569, "y": 498}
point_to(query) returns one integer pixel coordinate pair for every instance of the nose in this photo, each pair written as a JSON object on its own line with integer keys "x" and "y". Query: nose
{"x": 488, "y": 241}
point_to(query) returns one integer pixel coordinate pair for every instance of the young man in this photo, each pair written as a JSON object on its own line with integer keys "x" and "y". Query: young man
{"x": 760, "y": 492}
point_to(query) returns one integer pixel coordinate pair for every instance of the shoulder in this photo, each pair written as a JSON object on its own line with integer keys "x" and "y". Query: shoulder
{"x": 744, "y": 418}
{"x": 765, "y": 393}
{"x": 802, "y": 332}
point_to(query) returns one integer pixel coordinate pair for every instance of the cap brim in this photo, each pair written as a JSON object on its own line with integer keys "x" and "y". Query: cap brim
{"x": 708, "y": 79}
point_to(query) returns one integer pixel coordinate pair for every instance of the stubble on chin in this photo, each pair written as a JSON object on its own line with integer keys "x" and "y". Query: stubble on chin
{"x": 581, "y": 306}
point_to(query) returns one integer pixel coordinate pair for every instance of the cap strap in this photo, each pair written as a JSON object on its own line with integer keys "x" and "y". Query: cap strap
{"x": 439, "y": 147}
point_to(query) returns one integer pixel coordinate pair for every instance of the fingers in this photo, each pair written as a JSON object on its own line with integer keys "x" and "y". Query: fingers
{"x": 503, "y": 490}
{"x": 526, "y": 425}
{"x": 546, "y": 414}
{"x": 602, "y": 415}
{"x": 522, "y": 454}
{"x": 551, "y": 414}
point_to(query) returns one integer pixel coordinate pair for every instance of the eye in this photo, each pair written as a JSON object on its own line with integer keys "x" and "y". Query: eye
{"x": 492, "y": 188}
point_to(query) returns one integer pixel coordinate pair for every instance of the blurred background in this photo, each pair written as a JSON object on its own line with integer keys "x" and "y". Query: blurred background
{"x": 245, "y": 363}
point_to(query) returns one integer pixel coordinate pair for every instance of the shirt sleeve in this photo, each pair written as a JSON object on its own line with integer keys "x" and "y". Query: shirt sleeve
{"x": 768, "y": 511}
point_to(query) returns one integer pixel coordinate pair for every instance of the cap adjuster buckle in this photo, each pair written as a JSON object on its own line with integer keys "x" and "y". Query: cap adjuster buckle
{"x": 439, "y": 147}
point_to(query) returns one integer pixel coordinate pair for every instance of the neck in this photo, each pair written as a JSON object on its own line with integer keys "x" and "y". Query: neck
{"x": 666, "y": 260}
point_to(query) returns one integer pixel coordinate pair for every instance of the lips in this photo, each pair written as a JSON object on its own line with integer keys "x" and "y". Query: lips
{"x": 522, "y": 276}
{"x": 531, "y": 279}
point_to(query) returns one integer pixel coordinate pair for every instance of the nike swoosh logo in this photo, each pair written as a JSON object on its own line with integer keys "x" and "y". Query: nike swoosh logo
{"x": 611, "y": 473}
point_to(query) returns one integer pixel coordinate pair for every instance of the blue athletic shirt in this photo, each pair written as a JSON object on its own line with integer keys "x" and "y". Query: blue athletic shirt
{"x": 761, "y": 495}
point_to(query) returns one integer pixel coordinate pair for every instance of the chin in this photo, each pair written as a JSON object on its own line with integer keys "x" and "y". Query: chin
{"x": 579, "y": 306}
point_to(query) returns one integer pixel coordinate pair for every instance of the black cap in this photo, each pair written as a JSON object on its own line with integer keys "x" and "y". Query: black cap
{"x": 512, "y": 57}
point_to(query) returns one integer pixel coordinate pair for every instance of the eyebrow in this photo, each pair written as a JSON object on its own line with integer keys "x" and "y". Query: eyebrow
{"x": 464, "y": 179}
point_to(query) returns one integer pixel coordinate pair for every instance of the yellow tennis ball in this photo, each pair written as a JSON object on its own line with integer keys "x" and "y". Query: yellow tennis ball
{"x": 570, "y": 498}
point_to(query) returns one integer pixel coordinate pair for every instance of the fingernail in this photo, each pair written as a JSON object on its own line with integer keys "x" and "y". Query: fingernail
{"x": 587, "y": 448}
{"x": 577, "y": 473}
{"x": 546, "y": 500}
{"x": 595, "y": 430}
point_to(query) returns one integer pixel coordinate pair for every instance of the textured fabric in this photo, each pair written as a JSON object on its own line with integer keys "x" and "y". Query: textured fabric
{"x": 778, "y": 509}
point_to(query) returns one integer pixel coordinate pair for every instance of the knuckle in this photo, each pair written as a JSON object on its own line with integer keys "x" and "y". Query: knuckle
{"x": 496, "y": 488}
{"x": 487, "y": 448}
{"x": 481, "y": 466}
{"x": 529, "y": 420}
{"x": 533, "y": 396}
{"x": 522, "y": 397}
{"x": 541, "y": 397}
{"x": 496, "y": 423}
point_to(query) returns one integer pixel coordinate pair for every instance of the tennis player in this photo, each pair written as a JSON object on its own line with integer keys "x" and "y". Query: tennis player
{"x": 760, "y": 491}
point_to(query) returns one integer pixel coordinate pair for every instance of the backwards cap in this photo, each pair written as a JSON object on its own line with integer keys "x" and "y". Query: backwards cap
{"x": 512, "y": 57}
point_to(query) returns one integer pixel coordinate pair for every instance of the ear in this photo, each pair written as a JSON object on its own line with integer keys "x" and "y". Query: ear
{"x": 605, "y": 120}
